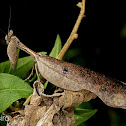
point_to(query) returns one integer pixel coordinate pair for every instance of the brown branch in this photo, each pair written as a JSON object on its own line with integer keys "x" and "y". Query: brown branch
{"x": 73, "y": 34}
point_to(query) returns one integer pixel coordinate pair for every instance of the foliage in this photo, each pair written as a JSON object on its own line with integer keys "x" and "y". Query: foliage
{"x": 12, "y": 87}
{"x": 81, "y": 115}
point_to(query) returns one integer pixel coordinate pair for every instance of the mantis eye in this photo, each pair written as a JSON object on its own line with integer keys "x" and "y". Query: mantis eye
{"x": 6, "y": 37}
{"x": 11, "y": 32}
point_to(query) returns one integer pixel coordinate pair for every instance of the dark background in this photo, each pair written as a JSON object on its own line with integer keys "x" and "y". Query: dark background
{"x": 37, "y": 23}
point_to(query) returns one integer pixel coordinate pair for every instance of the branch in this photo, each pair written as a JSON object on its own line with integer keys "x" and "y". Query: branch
{"x": 73, "y": 34}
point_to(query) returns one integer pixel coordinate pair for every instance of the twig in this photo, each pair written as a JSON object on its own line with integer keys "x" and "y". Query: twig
{"x": 73, "y": 34}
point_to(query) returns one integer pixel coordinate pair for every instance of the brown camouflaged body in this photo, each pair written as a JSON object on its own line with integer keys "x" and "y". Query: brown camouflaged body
{"x": 76, "y": 78}
{"x": 73, "y": 77}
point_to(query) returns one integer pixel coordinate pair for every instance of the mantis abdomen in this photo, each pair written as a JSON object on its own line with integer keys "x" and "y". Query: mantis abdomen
{"x": 73, "y": 77}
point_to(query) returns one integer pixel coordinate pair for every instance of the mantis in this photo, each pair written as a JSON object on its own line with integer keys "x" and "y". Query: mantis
{"x": 73, "y": 77}
{"x": 70, "y": 76}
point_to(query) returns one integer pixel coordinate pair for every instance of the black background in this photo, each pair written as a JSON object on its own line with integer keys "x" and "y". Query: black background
{"x": 37, "y": 23}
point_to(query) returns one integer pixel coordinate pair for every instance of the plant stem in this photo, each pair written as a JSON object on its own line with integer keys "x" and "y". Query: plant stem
{"x": 73, "y": 34}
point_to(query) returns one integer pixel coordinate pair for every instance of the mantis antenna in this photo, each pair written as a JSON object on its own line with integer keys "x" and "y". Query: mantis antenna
{"x": 8, "y": 25}
{"x": 9, "y": 20}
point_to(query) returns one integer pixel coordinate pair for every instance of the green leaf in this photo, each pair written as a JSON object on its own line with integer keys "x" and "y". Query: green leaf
{"x": 24, "y": 65}
{"x": 81, "y": 115}
{"x": 72, "y": 53}
{"x": 45, "y": 85}
{"x": 57, "y": 47}
{"x": 5, "y": 66}
{"x": 84, "y": 105}
{"x": 12, "y": 88}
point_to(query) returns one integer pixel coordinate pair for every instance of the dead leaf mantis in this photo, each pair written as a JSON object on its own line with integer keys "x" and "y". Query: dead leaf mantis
{"x": 73, "y": 77}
